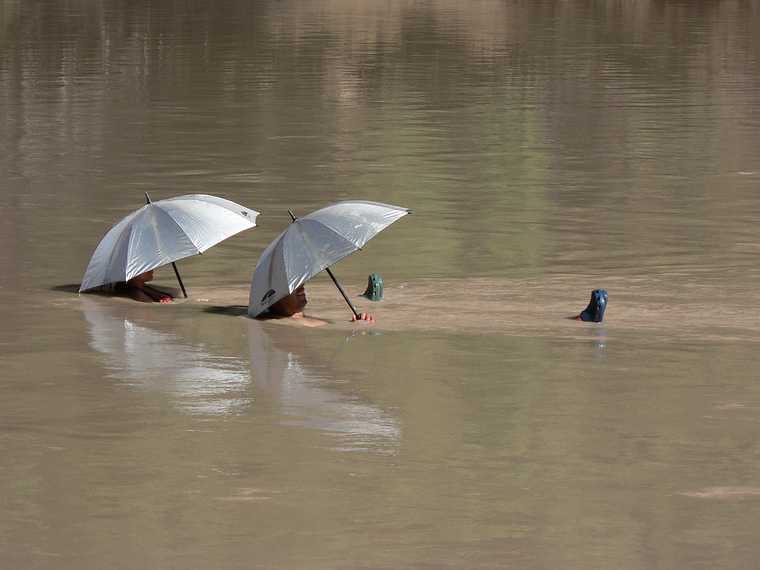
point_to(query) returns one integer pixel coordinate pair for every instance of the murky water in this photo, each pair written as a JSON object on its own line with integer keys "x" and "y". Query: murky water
{"x": 547, "y": 148}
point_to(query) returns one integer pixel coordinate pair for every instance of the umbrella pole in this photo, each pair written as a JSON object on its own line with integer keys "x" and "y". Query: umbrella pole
{"x": 330, "y": 273}
{"x": 181, "y": 285}
{"x": 174, "y": 266}
{"x": 342, "y": 292}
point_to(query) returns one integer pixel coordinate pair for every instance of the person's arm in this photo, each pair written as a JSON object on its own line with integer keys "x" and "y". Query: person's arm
{"x": 139, "y": 295}
{"x": 157, "y": 294}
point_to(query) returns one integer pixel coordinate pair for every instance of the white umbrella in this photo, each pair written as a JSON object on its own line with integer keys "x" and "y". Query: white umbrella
{"x": 313, "y": 243}
{"x": 163, "y": 232}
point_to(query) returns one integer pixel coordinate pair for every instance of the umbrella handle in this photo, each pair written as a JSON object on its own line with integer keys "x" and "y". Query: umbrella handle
{"x": 342, "y": 292}
{"x": 181, "y": 285}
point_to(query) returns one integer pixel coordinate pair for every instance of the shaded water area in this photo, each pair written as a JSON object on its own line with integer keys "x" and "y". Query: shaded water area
{"x": 546, "y": 148}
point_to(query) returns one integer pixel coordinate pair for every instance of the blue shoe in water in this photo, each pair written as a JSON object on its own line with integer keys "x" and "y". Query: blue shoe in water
{"x": 595, "y": 311}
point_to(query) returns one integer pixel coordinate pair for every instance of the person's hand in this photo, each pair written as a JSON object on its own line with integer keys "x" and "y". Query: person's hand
{"x": 365, "y": 318}
{"x": 165, "y": 299}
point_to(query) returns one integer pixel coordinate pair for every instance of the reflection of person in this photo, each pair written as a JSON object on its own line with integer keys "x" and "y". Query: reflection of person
{"x": 137, "y": 289}
{"x": 294, "y": 375}
{"x": 292, "y": 306}
{"x": 154, "y": 356}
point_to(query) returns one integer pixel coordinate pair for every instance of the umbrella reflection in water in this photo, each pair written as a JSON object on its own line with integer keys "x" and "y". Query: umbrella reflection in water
{"x": 297, "y": 383}
{"x": 278, "y": 365}
{"x": 147, "y": 359}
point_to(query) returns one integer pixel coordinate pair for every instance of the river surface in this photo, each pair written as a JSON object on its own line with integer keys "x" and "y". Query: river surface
{"x": 546, "y": 148}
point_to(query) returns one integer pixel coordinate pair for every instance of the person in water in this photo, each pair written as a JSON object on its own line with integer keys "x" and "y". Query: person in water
{"x": 137, "y": 289}
{"x": 292, "y": 306}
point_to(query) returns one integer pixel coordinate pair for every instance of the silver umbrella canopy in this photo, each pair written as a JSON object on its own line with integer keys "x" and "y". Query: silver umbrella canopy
{"x": 313, "y": 243}
{"x": 163, "y": 232}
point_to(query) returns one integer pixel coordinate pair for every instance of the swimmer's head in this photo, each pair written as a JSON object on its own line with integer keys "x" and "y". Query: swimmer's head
{"x": 290, "y": 305}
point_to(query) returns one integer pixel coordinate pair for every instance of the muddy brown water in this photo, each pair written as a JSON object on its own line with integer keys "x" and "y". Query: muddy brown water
{"x": 546, "y": 148}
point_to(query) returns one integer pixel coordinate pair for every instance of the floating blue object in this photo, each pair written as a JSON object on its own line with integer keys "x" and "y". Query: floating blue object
{"x": 595, "y": 311}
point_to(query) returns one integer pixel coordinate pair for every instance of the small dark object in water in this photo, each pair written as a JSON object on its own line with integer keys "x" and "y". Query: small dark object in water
{"x": 596, "y": 307}
{"x": 374, "y": 290}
